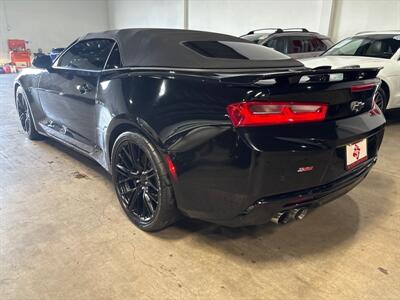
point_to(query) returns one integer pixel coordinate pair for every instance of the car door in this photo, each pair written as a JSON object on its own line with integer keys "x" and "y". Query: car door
{"x": 68, "y": 93}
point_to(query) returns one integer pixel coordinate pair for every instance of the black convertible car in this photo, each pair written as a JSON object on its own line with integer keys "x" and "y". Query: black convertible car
{"x": 205, "y": 125}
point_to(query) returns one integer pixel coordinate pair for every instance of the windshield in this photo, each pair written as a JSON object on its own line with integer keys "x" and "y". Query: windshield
{"x": 383, "y": 47}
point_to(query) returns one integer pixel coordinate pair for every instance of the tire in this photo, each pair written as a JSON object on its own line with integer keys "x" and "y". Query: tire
{"x": 25, "y": 115}
{"x": 381, "y": 99}
{"x": 142, "y": 183}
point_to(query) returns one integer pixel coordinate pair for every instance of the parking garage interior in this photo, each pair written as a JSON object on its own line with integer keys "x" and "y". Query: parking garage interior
{"x": 63, "y": 234}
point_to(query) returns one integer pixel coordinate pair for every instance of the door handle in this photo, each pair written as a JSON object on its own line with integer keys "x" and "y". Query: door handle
{"x": 83, "y": 88}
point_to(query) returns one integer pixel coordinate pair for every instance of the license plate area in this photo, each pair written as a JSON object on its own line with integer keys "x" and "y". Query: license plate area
{"x": 356, "y": 153}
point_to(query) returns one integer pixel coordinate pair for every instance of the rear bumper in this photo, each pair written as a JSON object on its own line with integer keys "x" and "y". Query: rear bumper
{"x": 262, "y": 211}
{"x": 242, "y": 178}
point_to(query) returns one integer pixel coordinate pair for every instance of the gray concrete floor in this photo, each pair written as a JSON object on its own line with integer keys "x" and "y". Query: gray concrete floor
{"x": 63, "y": 235}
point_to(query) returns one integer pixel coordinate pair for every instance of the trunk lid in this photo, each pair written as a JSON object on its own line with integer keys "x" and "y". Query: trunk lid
{"x": 307, "y": 155}
{"x": 344, "y": 90}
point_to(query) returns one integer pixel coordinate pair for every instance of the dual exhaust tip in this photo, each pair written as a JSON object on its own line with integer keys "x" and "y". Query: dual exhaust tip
{"x": 285, "y": 217}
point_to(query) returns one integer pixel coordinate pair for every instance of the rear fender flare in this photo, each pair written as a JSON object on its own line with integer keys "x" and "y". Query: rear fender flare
{"x": 124, "y": 123}
{"x": 18, "y": 84}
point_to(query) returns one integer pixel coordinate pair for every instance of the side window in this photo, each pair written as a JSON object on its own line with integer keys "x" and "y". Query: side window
{"x": 114, "y": 61}
{"x": 295, "y": 45}
{"x": 88, "y": 55}
{"x": 278, "y": 43}
{"x": 271, "y": 43}
{"x": 305, "y": 44}
{"x": 315, "y": 44}
{"x": 384, "y": 48}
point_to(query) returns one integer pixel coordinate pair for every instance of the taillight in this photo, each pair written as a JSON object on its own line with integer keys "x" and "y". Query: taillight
{"x": 362, "y": 87}
{"x": 244, "y": 114}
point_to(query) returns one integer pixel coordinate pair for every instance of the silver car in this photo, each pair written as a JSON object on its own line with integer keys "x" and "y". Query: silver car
{"x": 294, "y": 42}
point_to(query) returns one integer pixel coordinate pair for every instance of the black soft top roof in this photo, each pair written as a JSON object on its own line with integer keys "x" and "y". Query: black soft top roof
{"x": 147, "y": 47}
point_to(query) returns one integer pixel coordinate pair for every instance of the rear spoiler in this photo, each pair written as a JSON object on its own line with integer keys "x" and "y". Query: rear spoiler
{"x": 292, "y": 77}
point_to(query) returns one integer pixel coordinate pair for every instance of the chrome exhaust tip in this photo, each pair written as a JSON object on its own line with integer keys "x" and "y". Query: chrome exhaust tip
{"x": 282, "y": 217}
{"x": 299, "y": 213}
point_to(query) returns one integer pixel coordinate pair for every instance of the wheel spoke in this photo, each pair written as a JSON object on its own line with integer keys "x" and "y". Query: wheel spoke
{"x": 138, "y": 167}
{"x": 153, "y": 186}
{"x": 124, "y": 180}
{"x": 26, "y": 124}
{"x": 21, "y": 105}
{"x": 151, "y": 176}
{"x": 22, "y": 116}
{"x": 149, "y": 172}
{"x": 128, "y": 156}
{"x": 136, "y": 158}
{"x": 379, "y": 102}
{"x": 135, "y": 175}
{"x": 132, "y": 150}
{"x": 122, "y": 158}
{"x": 122, "y": 170}
{"x": 148, "y": 203}
{"x": 132, "y": 199}
{"x": 129, "y": 191}
{"x": 144, "y": 161}
{"x": 152, "y": 198}
{"x": 134, "y": 153}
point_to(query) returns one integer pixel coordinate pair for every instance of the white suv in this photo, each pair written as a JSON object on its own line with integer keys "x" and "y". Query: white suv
{"x": 368, "y": 49}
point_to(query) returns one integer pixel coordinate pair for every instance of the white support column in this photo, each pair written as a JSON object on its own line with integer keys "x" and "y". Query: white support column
{"x": 332, "y": 20}
{"x": 185, "y": 14}
{"x": 326, "y": 17}
{"x": 3, "y": 32}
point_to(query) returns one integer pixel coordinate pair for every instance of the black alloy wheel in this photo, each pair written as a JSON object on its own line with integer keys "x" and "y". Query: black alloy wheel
{"x": 142, "y": 183}
{"x": 24, "y": 115}
{"x": 137, "y": 182}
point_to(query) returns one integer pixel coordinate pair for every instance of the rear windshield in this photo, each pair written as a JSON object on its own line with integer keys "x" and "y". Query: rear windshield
{"x": 234, "y": 50}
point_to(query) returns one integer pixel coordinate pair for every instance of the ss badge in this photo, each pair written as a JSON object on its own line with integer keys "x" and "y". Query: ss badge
{"x": 356, "y": 106}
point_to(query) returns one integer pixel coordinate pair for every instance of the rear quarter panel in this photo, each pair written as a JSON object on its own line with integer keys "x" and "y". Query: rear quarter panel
{"x": 185, "y": 117}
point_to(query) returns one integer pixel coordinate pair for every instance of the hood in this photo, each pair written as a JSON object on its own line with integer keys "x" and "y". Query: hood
{"x": 344, "y": 61}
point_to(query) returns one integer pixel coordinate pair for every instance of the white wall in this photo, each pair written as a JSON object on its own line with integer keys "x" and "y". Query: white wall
{"x": 352, "y": 16}
{"x": 228, "y": 16}
{"x": 146, "y": 13}
{"x": 55, "y": 23}
{"x": 238, "y": 17}
{"x": 47, "y": 24}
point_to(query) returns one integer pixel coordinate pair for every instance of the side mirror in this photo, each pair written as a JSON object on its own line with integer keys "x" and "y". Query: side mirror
{"x": 42, "y": 61}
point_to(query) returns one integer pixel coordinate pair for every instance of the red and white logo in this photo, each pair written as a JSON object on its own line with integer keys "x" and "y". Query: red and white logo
{"x": 356, "y": 151}
{"x": 305, "y": 169}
